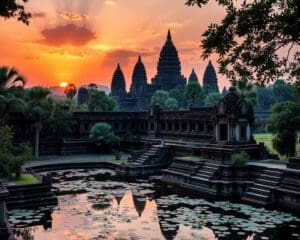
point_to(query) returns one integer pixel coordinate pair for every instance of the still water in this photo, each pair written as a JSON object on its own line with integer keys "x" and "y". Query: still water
{"x": 95, "y": 204}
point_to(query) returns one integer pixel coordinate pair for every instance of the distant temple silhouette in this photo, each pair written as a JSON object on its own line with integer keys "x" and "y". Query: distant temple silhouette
{"x": 168, "y": 77}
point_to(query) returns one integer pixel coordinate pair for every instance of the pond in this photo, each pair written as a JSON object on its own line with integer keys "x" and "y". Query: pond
{"x": 95, "y": 204}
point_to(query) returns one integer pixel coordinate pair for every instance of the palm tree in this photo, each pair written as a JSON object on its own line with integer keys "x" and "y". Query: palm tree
{"x": 9, "y": 79}
{"x": 40, "y": 107}
{"x": 246, "y": 91}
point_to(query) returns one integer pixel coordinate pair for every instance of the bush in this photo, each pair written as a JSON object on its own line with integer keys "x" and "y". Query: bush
{"x": 117, "y": 154}
{"x": 239, "y": 159}
{"x": 103, "y": 135}
{"x": 12, "y": 158}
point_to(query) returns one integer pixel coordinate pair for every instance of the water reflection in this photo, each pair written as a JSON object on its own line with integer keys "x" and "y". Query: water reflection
{"x": 94, "y": 204}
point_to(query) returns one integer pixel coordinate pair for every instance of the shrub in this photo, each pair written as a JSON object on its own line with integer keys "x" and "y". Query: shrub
{"x": 117, "y": 154}
{"x": 239, "y": 159}
{"x": 103, "y": 135}
{"x": 12, "y": 158}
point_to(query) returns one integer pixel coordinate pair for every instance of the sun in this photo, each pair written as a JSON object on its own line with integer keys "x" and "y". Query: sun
{"x": 63, "y": 84}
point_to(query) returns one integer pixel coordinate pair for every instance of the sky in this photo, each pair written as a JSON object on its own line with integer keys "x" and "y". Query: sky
{"x": 81, "y": 41}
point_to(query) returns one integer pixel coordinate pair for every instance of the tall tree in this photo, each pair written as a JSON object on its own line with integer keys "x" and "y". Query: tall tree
{"x": 14, "y": 9}
{"x": 70, "y": 90}
{"x": 246, "y": 91}
{"x": 212, "y": 99}
{"x": 284, "y": 124}
{"x": 99, "y": 101}
{"x": 160, "y": 97}
{"x": 40, "y": 107}
{"x": 193, "y": 94}
{"x": 250, "y": 36}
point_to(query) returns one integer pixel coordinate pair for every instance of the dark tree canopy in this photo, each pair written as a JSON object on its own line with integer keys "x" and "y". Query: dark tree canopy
{"x": 14, "y": 9}
{"x": 249, "y": 37}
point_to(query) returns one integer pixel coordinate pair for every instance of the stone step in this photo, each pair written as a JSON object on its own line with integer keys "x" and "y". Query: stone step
{"x": 258, "y": 196}
{"x": 273, "y": 172}
{"x": 200, "y": 179}
{"x": 255, "y": 201}
{"x": 266, "y": 182}
{"x": 262, "y": 186}
{"x": 260, "y": 191}
{"x": 269, "y": 177}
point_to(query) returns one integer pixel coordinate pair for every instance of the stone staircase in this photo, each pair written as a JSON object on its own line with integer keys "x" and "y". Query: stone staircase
{"x": 36, "y": 195}
{"x": 182, "y": 167}
{"x": 261, "y": 191}
{"x": 145, "y": 157}
{"x": 201, "y": 179}
{"x": 206, "y": 172}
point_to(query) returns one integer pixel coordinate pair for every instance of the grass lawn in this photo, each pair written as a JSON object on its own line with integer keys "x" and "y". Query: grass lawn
{"x": 190, "y": 158}
{"x": 25, "y": 179}
{"x": 266, "y": 138}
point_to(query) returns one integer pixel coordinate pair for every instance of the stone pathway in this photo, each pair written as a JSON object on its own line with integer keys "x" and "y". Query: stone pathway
{"x": 74, "y": 159}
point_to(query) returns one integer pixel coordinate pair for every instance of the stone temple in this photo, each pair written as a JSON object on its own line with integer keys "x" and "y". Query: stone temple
{"x": 168, "y": 77}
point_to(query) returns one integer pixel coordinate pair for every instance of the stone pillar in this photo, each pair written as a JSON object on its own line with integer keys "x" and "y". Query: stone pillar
{"x": 188, "y": 126}
{"x": 206, "y": 128}
{"x": 248, "y": 132}
{"x": 173, "y": 125}
{"x": 237, "y": 132}
{"x": 216, "y": 132}
{"x": 197, "y": 127}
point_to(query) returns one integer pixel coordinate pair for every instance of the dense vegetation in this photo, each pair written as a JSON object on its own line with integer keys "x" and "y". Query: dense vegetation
{"x": 12, "y": 158}
{"x": 251, "y": 38}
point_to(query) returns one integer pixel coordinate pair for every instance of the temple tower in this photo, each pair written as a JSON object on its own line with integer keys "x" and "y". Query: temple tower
{"x": 139, "y": 79}
{"x": 193, "y": 77}
{"x": 118, "y": 86}
{"x": 169, "y": 68}
{"x": 210, "y": 79}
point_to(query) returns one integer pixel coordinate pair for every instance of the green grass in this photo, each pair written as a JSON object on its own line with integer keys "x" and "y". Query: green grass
{"x": 25, "y": 179}
{"x": 190, "y": 158}
{"x": 266, "y": 138}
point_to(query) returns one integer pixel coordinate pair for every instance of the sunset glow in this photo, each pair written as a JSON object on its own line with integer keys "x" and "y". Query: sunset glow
{"x": 83, "y": 41}
{"x": 63, "y": 84}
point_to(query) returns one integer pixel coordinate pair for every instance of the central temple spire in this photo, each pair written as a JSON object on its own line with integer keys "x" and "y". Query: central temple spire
{"x": 169, "y": 67}
{"x": 169, "y": 37}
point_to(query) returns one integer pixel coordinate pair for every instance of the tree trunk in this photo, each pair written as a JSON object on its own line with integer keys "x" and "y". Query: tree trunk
{"x": 37, "y": 142}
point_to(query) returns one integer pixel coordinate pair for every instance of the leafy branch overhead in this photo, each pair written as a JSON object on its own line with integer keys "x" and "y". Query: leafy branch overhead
{"x": 14, "y": 9}
{"x": 258, "y": 40}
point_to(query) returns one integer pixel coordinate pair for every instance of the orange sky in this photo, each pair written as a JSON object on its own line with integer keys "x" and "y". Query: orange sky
{"x": 81, "y": 41}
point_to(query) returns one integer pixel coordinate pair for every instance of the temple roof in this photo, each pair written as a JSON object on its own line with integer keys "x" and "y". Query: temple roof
{"x": 169, "y": 59}
{"x": 193, "y": 77}
{"x": 139, "y": 78}
{"x": 118, "y": 86}
{"x": 210, "y": 77}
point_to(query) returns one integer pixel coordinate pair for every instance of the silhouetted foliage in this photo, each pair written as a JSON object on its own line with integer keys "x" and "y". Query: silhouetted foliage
{"x": 193, "y": 94}
{"x": 12, "y": 158}
{"x": 14, "y": 9}
{"x": 103, "y": 135}
{"x": 250, "y": 36}
{"x": 284, "y": 124}
{"x": 212, "y": 99}
{"x": 99, "y": 101}
{"x": 246, "y": 91}
{"x": 70, "y": 91}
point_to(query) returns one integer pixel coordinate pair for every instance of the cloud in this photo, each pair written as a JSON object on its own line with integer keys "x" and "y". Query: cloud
{"x": 124, "y": 56}
{"x": 71, "y": 16}
{"x": 38, "y": 15}
{"x": 69, "y": 34}
{"x": 109, "y": 2}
